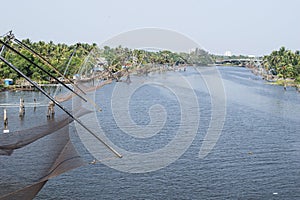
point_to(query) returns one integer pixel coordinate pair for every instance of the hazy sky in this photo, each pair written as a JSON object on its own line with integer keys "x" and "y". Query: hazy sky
{"x": 253, "y": 27}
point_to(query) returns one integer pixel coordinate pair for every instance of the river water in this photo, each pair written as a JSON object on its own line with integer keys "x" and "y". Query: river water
{"x": 257, "y": 155}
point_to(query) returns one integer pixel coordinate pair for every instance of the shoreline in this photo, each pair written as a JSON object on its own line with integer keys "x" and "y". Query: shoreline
{"x": 25, "y": 87}
{"x": 270, "y": 79}
{"x": 274, "y": 80}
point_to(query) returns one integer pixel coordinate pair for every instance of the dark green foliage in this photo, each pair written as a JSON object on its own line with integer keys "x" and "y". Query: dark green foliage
{"x": 121, "y": 56}
{"x": 285, "y": 62}
{"x": 57, "y": 54}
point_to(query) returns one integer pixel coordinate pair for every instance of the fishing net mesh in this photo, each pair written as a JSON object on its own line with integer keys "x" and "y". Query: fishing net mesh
{"x": 32, "y": 155}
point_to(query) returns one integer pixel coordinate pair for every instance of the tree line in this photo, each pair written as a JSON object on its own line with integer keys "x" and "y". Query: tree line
{"x": 58, "y": 55}
{"x": 138, "y": 57}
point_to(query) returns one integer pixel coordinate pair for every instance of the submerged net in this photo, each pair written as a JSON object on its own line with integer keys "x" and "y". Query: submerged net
{"x": 28, "y": 158}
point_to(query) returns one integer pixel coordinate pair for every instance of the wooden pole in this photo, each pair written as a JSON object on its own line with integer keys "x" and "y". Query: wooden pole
{"x": 22, "y": 108}
{"x": 50, "y": 112}
{"x": 34, "y": 106}
{"x": 5, "y": 119}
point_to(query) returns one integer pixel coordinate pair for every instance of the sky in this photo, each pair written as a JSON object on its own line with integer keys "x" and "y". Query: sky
{"x": 248, "y": 27}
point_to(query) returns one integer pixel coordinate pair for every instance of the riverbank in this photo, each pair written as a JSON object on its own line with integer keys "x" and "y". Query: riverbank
{"x": 274, "y": 79}
{"x": 26, "y": 87}
{"x": 17, "y": 88}
{"x": 287, "y": 82}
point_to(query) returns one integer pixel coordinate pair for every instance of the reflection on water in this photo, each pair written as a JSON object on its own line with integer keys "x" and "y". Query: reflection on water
{"x": 257, "y": 155}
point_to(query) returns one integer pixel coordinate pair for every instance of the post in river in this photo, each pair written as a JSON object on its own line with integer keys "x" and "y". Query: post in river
{"x": 22, "y": 108}
{"x": 34, "y": 108}
{"x": 50, "y": 111}
{"x": 5, "y": 130}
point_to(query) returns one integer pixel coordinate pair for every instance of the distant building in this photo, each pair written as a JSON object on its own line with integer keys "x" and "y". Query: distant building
{"x": 228, "y": 53}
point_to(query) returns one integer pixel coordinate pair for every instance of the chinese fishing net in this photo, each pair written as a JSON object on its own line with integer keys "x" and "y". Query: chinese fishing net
{"x": 36, "y": 148}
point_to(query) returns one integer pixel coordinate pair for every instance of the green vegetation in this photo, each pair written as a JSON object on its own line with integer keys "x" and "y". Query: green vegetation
{"x": 121, "y": 56}
{"x": 284, "y": 63}
{"x": 58, "y": 55}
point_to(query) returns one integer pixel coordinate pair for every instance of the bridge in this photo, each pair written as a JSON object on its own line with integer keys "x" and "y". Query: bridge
{"x": 240, "y": 62}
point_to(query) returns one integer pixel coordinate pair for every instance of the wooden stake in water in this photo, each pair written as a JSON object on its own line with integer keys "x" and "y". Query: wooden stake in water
{"x": 22, "y": 108}
{"x": 34, "y": 108}
{"x": 5, "y": 119}
{"x": 5, "y": 130}
{"x": 50, "y": 112}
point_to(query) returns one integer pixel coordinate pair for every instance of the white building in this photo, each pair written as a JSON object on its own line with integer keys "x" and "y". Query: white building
{"x": 227, "y": 53}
